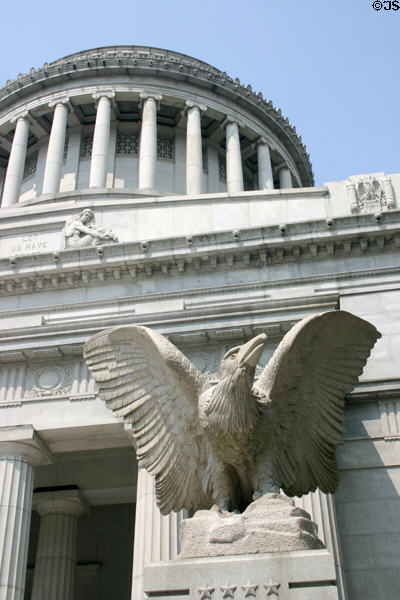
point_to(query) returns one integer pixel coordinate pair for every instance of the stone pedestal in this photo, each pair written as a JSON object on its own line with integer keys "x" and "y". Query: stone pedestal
{"x": 270, "y": 524}
{"x": 271, "y": 550}
{"x": 302, "y": 575}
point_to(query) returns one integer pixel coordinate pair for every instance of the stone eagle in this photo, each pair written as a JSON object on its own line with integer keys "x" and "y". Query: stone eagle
{"x": 231, "y": 442}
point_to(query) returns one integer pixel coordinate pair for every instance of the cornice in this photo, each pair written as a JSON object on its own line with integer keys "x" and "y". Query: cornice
{"x": 262, "y": 247}
{"x": 198, "y": 316}
{"x": 163, "y": 63}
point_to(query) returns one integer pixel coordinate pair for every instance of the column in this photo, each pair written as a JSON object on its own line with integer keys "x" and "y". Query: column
{"x": 265, "y": 177}
{"x": 285, "y": 178}
{"x": 55, "y": 151}
{"x": 194, "y": 150}
{"x": 20, "y": 452}
{"x": 321, "y": 508}
{"x": 148, "y": 141}
{"x": 156, "y": 535}
{"x": 16, "y": 162}
{"x": 234, "y": 170}
{"x": 55, "y": 562}
{"x": 101, "y": 138}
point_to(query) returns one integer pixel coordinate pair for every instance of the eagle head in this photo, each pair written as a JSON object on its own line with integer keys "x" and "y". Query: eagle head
{"x": 242, "y": 360}
{"x": 230, "y": 406}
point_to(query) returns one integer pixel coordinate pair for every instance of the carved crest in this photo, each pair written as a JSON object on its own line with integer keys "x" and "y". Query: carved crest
{"x": 371, "y": 197}
{"x": 370, "y": 194}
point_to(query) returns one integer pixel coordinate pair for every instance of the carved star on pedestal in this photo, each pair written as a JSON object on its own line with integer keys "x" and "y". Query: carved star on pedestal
{"x": 272, "y": 589}
{"x": 228, "y": 591}
{"x": 205, "y": 593}
{"x": 250, "y": 590}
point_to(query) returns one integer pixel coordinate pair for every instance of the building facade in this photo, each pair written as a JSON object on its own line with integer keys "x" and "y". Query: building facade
{"x": 143, "y": 186}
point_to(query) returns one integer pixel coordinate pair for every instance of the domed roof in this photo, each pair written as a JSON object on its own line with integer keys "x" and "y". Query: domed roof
{"x": 147, "y": 63}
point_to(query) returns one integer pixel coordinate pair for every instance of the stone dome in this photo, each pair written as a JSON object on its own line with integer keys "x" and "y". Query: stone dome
{"x": 266, "y": 151}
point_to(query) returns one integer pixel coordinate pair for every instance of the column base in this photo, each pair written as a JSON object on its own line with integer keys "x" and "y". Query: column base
{"x": 303, "y": 575}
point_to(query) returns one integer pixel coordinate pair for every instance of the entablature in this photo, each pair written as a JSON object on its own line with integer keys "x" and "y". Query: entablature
{"x": 357, "y": 236}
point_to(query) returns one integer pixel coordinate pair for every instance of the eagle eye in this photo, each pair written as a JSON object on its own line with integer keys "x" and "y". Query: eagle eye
{"x": 232, "y": 353}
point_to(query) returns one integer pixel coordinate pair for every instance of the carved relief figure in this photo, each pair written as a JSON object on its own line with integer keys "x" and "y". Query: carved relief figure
{"x": 371, "y": 195}
{"x": 82, "y": 232}
{"x": 234, "y": 441}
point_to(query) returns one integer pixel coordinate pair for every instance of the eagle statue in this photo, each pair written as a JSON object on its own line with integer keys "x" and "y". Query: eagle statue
{"x": 231, "y": 442}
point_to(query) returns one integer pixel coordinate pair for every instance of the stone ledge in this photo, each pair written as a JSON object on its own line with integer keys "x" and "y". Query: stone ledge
{"x": 304, "y": 575}
{"x": 253, "y": 247}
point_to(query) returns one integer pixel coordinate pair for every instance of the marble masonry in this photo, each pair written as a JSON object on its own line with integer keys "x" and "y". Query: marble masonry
{"x": 141, "y": 186}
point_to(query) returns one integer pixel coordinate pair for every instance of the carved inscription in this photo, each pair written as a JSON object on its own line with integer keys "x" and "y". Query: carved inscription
{"x": 30, "y": 244}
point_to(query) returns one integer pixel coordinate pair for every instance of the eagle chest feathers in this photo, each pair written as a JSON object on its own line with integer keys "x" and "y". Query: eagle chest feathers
{"x": 228, "y": 412}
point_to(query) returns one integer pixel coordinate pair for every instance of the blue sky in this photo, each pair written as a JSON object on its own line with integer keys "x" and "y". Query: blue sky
{"x": 332, "y": 67}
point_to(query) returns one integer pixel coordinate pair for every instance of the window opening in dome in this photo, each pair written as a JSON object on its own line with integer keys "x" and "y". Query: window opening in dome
{"x": 165, "y": 147}
{"x": 127, "y": 143}
{"x": 30, "y": 165}
{"x": 86, "y": 145}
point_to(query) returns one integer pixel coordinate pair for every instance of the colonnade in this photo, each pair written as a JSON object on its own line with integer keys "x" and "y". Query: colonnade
{"x": 20, "y": 452}
{"x": 149, "y": 103}
{"x": 156, "y": 536}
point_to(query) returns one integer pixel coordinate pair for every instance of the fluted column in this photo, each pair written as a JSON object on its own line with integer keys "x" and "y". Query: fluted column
{"x": 55, "y": 150}
{"x": 285, "y": 178}
{"x": 234, "y": 169}
{"x": 148, "y": 141}
{"x": 194, "y": 154}
{"x": 156, "y": 535}
{"x": 55, "y": 563}
{"x": 265, "y": 177}
{"x": 321, "y": 508}
{"x": 17, "y": 462}
{"x": 16, "y": 162}
{"x": 101, "y": 139}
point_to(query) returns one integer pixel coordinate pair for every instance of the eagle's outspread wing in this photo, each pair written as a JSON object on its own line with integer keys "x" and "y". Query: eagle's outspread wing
{"x": 304, "y": 385}
{"x": 147, "y": 381}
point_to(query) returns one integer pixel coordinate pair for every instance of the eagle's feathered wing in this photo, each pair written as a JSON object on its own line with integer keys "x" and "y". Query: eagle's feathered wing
{"x": 318, "y": 361}
{"x": 147, "y": 381}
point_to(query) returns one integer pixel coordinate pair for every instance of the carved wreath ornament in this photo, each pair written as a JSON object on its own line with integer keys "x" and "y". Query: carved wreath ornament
{"x": 49, "y": 380}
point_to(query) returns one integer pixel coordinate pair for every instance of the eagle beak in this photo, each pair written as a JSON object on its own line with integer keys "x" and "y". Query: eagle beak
{"x": 250, "y": 353}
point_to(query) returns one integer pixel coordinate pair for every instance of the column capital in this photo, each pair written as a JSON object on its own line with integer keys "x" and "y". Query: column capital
{"x": 22, "y": 115}
{"x": 65, "y": 101}
{"x": 23, "y": 442}
{"x": 192, "y": 104}
{"x": 110, "y": 95}
{"x": 70, "y": 502}
{"x": 145, "y": 95}
{"x": 231, "y": 119}
{"x": 261, "y": 141}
